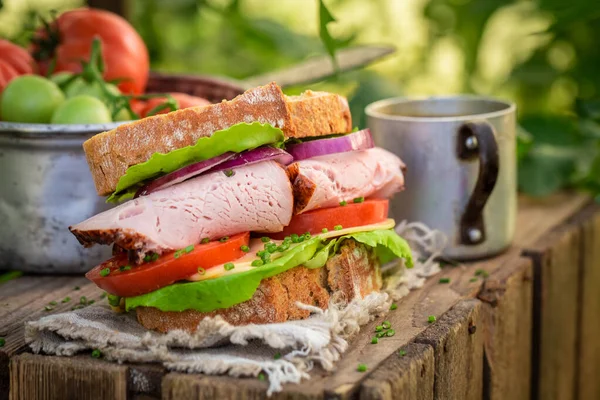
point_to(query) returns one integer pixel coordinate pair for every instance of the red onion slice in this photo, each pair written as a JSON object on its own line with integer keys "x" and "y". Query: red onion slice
{"x": 254, "y": 156}
{"x": 183, "y": 174}
{"x": 227, "y": 161}
{"x": 360, "y": 140}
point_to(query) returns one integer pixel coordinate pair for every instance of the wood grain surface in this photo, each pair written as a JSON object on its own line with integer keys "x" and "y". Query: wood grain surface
{"x": 484, "y": 344}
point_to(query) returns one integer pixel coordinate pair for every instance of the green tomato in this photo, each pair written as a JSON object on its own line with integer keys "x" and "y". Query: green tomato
{"x": 30, "y": 98}
{"x": 82, "y": 110}
{"x": 123, "y": 115}
{"x": 81, "y": 87}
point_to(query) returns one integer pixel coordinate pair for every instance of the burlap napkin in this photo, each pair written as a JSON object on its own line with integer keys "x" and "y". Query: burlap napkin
{"x": 220, "y": 348}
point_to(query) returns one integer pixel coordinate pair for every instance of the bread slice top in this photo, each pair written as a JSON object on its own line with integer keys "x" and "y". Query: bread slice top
{"x": 110, "y": 153}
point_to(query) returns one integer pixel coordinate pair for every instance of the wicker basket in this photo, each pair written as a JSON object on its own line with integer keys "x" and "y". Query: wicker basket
{"x": 213, "y": 89}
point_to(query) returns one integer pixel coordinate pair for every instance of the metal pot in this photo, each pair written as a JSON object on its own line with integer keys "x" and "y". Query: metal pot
{"x": 45, "y": 186}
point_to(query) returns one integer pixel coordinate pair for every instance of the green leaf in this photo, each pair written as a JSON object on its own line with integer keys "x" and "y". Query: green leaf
{"x": 547, "y": 169}
{"x": 330, "y": 43}
{"x": 237, "y": 138}
{"x": 388, "y": 245}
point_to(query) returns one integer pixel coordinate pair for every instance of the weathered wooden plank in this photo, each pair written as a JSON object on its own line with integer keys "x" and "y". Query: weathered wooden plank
{"x": 46, "y": 377}
{"x": 557, "y": 260}
{"x": 457, "y": 341}
{"x": 588, "y": 384}
{"x": 405, "y": 375}
{"x": 507, "y": 298}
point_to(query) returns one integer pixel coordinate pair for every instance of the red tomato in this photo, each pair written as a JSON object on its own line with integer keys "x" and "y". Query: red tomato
{"x": 184, "y": 100}
{"x": 124, "y": 52}
{"x": 167, "y": 269}
{"x": 14, "y": 61}
{"x": 348, "y": 216}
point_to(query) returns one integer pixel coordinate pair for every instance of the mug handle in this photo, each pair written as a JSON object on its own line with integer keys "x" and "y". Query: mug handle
{"x": 477, "y": 140}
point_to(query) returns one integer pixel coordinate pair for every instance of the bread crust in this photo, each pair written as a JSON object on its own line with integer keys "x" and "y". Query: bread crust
{"x": 352, "y": 272}
{"x": 110, "y": 153}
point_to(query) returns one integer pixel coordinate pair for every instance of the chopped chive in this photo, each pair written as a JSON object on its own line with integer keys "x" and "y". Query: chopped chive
{"x": 343, "y": 203}
{"x": 245, "y": 248}
{"x": 224, "y": 239}
{"x": 277, "y": 356}
{"x": 265, "y": 239}
{"x": 229, "y": 173}
{"x": 431, "y": 319}
{"x": 83, "y": 300}
{"x": 114, "y": 300}
{"x": 359, "y": 199}
{"x": 386, "y": 325}
{"x": 378, "y": 328}
{"x": 294, "y": 238}
{"x": 102, "y": 296}
{"x": 271, "y": 247}
{"x": 52, "y": 303}
{"x": 380, "y": 334}
{"x": 337, "y": 228}
{"x": 390, "y": 332}
{"x": 229, "y": 266}
{"x": 201, "y": 271}
{"x": 2, "y": 342}
{"x": 91, "y": 302}
{"x": 473, "y": 280}
{"x": 66, "y": 300}
{"x": 393, "y": 306}
{"x": 205, "y": 240}
{"x": 103, "y": 272}
{"x": 257, "y": 263}
{"x": 189, "y": 248}
{"x": 324, "y": 230}
{"x": 283, "y": 247}
{"x": 307, "y": 236}
{"x": 482, "y": 272}
{"x": 77, "y": 307}
{"x": 48, "y": 308}
{"x": 178, "y": 253}
{"x": 374, "y": 340}
{"x": 124, "y": 268}
{"x": 96, "y": 353}
{"x": 361, "y": 368}
{"x": 402, "y": 353}
{"x": 148, "y": 257}
{"x": 261, "y": 377}
{"x": 444, "y": 280}
{"x": 260, "y": 253}
{"x": 155, "y": 256}
{"x": 76, "y": 288}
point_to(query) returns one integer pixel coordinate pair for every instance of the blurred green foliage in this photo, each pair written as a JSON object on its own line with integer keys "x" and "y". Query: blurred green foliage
{"x": 542, "y": 54}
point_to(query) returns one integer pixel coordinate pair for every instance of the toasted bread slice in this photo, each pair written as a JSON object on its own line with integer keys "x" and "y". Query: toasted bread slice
{"x": 109, "y": 154}
{"x": 353, "y": 272}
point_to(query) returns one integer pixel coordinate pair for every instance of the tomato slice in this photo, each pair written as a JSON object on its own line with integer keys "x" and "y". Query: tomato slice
{"x": 348, "y": 216}
{"x": 167, "y": 269}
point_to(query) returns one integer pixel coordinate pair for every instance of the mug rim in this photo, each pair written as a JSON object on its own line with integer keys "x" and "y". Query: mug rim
{"x": 373, "y": 109}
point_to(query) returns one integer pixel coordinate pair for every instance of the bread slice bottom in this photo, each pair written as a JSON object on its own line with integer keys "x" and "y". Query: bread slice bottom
{"x": 352, "y": 272}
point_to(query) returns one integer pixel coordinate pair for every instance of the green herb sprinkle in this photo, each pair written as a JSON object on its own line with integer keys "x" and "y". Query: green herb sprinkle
{"x": 361, "y": 368}
{"x": 337, "y": 228}
{"x": 444, "y": 280}
{"x": 431, "y": 319}
{"x": 103, "y": 272}
{"x": 343, "y": 203}
{"x": 265, "y": 239}
{"x": 205, "y": 240}
{"x": 374, "y": 340}
{"x": 257, "y": 263}
{"x": 224, "y": 239}
{"x": 324, "y": 230}
{"x": 393, "y": 306}
{"x": 96, "y": 353}
{"x": 245, "y": 248}
{"x": 229, "y": 266}
{"x": 359, "y": 200}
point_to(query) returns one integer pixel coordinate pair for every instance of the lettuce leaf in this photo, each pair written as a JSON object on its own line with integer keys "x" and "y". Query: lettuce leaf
{"x": 229, "y": 290}
{"x": 237, "y": 138}
{"x": 388, "y": 245}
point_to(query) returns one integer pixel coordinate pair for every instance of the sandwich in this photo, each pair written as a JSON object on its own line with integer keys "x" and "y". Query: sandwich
{"x": 242, "y": 210}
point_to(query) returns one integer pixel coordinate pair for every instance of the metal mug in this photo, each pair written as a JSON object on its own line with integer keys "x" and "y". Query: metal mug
{"x": 461, "y": 177}
{"x": 45, "y": 186}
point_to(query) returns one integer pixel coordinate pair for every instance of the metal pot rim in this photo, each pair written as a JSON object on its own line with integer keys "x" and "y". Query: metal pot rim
{"x": 374, "y": 109}
{"x": 54, "y": 130}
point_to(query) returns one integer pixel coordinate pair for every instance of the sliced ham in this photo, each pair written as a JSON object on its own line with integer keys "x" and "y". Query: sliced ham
{"x": 326, "y": 181}
{"x": 257, "y": 197}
